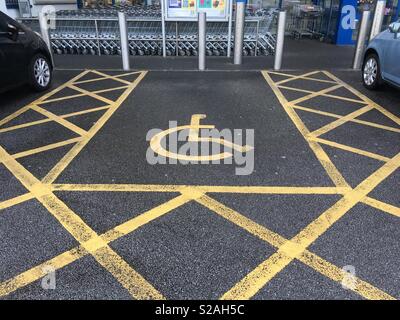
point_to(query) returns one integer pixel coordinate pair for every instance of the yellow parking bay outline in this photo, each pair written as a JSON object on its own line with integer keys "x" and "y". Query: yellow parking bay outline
{"x": 97, "y": 245}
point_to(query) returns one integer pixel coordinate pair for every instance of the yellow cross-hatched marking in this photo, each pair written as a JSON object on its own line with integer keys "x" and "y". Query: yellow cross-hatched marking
{"x": 69, "y": 115}
{"x": 351, "y": 149}
{"x": 321, "y": 155}
{"x": 332, "y": 115}
{"x": 82, "y": 94}
{"x": 315, "y": 94}
{"x": 63, "y": 122}
{"x": 46, "y": 148}
{"x": 297, "y": 247}
{"x": 105, "y": 77}
{"x": 91, "y": 94}
{"x": 90, "y": 243}
{"x": 288, "y": 250}
{"x": 305, "y": 76}
{"x": 62, "y": 164}
{"x": 129, "y": 278}
{"x": 137, "y": 286}
{"x": 366, "y": 99}
{"x": 340, "y": 121}
{"x": 70, "y": 256}
{"x": 321, "y": 94}
{"x": 254, "y": 281}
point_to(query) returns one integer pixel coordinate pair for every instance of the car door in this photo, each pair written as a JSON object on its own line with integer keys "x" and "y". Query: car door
{"x": 392, "y": 58}
{"x": 12, "y": 55}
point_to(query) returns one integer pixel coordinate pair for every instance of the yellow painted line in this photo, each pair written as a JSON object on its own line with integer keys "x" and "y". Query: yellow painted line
{"x": 14, "y": 115}
{"x": 241, "y": 221}
{"x": 92, "y": 94}
{"x": 65, "y": 116}
{"x": 340, "y": 121}
{"x": 256, "y": 279}
{"x": 17, "y": 200}
{"x": 63, "y": 98}
{"x": 309, "y": 234}
{"x": 46, "y": 148}
{"x": 383, "y": 206}
{"x": 118, "y": 187}
{"x": 24, "y": 125}
{"x": 365, "y": 98}
{"x": 351, "y": 149}
{"x": 137, "y": 286}
{"x": 130, "y": 279}
{"x": 68, "y": 257}
{"x": 150, "y": 215}
{"x": 321, "y": 155}
{"x": 329, "y": 270}
{"x": 61, "y": 121}
{"x": 299, "y": 77}
{"x": 304, "y": 78}
{"x": 105, "y": 77}
{"x": 36, "y": 273}
{"x": 315, "y": 94}
{"x": 269, "y": 269}
{"x": 82, "y": 94}
{"x": 64, "y": 162}
{"x": 112, "y": 89}
{"x": 375, "y": 125}
{"x": 42, "y": 98}
{"x": 202, "y": 188}
{"x": 324, "y": 94}
{"x": 116, "y": 78}
{"x": 333, "y": 115}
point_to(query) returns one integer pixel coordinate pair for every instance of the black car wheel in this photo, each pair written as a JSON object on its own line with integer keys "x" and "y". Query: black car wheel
{"x": 40, "y": 73}
{"x": 371, "y": 72}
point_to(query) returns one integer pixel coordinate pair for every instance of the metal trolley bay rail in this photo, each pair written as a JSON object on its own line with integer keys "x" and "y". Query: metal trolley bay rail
{"x": 95, "y": 31}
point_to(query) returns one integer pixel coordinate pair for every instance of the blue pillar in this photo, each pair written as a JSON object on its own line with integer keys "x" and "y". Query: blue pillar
{"x": 397, "y": 14}
{"x": 346, "y": 22}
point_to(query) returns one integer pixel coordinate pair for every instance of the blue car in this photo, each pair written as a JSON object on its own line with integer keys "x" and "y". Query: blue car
{"x": 382, "y": 59}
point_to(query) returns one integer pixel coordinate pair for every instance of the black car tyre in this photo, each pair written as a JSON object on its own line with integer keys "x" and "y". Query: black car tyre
{"x": 40, "y": 73}
{"x": 371, "y": 72}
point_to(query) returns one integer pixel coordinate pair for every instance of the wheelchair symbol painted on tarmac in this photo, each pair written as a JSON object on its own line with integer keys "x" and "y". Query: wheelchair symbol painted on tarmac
{"x": 194, "y": 136}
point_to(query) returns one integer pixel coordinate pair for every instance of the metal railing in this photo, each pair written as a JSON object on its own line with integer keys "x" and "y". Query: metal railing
{"x": 96, "y": 32}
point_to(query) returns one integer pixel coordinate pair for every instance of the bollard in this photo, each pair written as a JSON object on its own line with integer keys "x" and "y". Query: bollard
{"x": 239, "y": 31}
{"x": 378, "y": 19}
{"x": 123, "y": 32}
{"x": 362, "y": 37}
{"x": 280, "y": 39}
{"x": 202, "y": 17}
{"x": 164, "y": 42}
{"x": 44, "y": 30}
{"x": 229, "y": 48}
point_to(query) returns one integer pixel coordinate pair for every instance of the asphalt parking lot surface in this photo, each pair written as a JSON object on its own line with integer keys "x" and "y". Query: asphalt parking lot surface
{"x": 81, "y": 202}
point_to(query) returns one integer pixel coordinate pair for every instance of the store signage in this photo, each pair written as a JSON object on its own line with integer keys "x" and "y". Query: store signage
{"x": 187, "y": 10}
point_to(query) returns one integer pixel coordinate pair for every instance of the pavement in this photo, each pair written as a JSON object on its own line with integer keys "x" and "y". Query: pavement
{"x": 315, "y": 216}
{"x": 298, "y": 55}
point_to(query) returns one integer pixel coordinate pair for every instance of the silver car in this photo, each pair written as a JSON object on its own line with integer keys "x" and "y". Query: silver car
{"x": 382, "y": 59}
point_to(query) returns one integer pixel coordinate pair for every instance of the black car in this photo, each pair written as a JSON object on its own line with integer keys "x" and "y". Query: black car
{"x": 24, "y": 57}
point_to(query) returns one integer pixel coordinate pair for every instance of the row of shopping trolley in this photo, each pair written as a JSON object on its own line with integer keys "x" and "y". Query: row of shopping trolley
{"x": 86, "y": 33}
